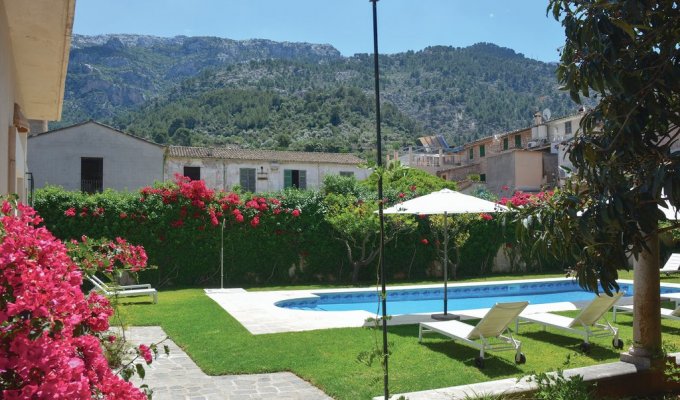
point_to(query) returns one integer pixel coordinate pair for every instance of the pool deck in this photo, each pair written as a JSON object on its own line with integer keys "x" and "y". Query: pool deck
{"x": 257, "y": 313}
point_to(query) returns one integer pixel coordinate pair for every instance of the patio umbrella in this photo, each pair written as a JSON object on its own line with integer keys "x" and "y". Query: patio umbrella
{"x": 445, "y": 202}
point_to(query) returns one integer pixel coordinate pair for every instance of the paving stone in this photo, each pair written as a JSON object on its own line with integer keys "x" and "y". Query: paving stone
{"x": 177, "y": 377}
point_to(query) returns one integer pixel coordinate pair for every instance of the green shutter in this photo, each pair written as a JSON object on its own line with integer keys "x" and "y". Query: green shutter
{"x": 482, "y": 151}
{"x": 472, "y": 154}
{"x": 303, "y": 179}
{"x": 287, "y": 178}
{"x": 518, "y": 141}
{"x": 505, "y": 143}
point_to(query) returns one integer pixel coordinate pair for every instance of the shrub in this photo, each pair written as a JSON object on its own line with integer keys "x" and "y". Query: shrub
{"x": 50, "y": 338}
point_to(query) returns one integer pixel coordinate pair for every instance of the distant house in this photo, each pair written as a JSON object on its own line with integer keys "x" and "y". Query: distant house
{"x": 259, "y": 170}
{"x": 35, "y": 39}
{"x": 92, "y": 157}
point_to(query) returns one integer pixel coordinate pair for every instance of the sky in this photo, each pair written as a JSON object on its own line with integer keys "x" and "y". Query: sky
{"x": 345, "y": 24}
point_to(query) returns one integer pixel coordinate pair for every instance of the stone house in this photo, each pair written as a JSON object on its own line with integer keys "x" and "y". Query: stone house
{"x": 91, "y": 156}
{"x": 35, "y": 39}
{"x": 259, "y": 170}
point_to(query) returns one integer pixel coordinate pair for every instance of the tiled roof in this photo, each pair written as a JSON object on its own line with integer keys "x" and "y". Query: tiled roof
{"x": 263, "y": 155}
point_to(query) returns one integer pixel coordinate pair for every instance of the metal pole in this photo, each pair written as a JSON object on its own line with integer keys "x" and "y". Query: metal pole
{"x": 222, "y": 255}
{"x": 446, "y": 262}
{"x": 380, "y": 200}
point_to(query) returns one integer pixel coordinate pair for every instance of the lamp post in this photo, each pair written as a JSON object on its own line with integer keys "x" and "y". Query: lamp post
{"x": 383, "y": 293}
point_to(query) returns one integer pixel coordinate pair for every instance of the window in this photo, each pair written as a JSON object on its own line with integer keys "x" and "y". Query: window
{"x": 91, "y": 175}
{"x": 567, "y": 128}
{"x": 347, "y": 173}
{"x": 295, "y": 178}
{"x": 505, "y": 143}
{"x": 193, "y": 173}
{"x": 482, "y": 177}
{"x": 518, "y": 141}
{"x": 482, "y": 150}
{"x": 247, "y": 179}
{"x": 472, "y": 153}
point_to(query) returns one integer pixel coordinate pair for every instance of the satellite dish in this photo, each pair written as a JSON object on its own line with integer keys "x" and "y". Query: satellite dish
{"x": 546, "y": 114}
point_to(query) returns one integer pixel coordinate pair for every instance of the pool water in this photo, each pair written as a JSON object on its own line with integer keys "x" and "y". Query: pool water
{"x": 460, "y": 297}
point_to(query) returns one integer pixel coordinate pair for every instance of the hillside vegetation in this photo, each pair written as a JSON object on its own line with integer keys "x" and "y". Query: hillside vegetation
{"x": 299, "y": 96}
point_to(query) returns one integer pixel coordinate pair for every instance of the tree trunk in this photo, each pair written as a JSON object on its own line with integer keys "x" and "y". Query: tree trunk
{"x": 647, "y": 319}
{"x": 356, "y": 266}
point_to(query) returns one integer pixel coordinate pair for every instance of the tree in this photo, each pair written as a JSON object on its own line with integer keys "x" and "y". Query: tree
{"x": 626, "y": 55}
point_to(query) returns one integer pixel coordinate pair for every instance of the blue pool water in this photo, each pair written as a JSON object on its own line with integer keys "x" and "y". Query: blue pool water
{"x": 430, "y": 300}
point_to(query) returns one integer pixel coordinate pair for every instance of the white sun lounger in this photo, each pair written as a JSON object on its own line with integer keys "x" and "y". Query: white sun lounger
{"x": 487, "y": 334}
{"x": 668, "y": 313}
{"x": 672, "y": 265}
{"x": 674, "y": 297}
{"x": 123, "y": 291}
{"x": 585, "y": 323}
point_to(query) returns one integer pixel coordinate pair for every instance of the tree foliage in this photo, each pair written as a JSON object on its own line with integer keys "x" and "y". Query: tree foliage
{"x": 626, "y": 55}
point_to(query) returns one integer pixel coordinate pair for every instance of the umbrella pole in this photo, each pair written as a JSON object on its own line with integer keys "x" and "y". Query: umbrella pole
{"x": 446, "y": 263}
{"x": 446, "y": 316}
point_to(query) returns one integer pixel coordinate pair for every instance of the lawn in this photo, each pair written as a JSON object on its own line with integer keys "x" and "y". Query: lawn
{"x": 328, "y": 358}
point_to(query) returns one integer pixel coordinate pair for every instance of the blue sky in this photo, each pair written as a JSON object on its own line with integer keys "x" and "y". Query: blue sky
{"x": 345, "y": 24}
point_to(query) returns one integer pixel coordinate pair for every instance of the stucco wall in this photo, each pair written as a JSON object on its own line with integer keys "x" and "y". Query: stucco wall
{"x": 129, "y": 163}
{"x": 528, "y": 170}
{"x": 224, "y": 174}
{"x": 501, "y": 172}
{"x": 7, "y": 97}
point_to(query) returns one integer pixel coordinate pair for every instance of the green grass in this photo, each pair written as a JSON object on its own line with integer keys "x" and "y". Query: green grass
{"x": 327, "y": 358}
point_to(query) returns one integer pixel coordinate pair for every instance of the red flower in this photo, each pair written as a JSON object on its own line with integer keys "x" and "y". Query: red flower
{"x": 6, "y": 207}
{"x": 255, "y": 221}
{"x": 296, "y": 213}
{"x": 505, "y": 187}
{"x": 145, "y": 352}
{"x": 71, "y": 212}
{"x": 123, "y": 215}
{"x": 239, "y": 217}
{"x": 424, "y": 241}
{"x": 412, "y": 188}
{"x": 486, "y": 217}
{"x": 111, "y": 338}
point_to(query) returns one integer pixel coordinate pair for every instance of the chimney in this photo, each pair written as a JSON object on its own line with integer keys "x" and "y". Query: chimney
{"x": 538, "y": 118}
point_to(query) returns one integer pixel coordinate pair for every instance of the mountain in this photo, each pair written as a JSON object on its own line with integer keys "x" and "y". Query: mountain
{"x": 259, "y": 93}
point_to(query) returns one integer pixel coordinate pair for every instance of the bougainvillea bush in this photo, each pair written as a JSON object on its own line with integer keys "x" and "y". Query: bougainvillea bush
{"x": 50, "y": 331}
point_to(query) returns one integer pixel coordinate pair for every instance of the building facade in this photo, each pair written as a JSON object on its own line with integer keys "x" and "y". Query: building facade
{"x": 35, "y": 39}
{"x": 91, "y": 157}
{"x": 259, "y": 170}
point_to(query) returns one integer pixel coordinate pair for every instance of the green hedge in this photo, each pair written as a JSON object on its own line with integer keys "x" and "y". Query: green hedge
{"x": 279, "y": 250}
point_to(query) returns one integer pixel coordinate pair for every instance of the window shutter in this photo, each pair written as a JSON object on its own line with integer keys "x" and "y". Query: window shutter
{"x": 287, "y": 178}
{"x": 303, "y": 179}
{"x": 482, "y": 151}
{"x": 505, "y": 143}
{"x": 518, "y": 141}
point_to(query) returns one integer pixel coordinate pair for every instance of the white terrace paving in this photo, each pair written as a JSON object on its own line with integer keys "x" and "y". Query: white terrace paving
{"x": 257, "y": 313}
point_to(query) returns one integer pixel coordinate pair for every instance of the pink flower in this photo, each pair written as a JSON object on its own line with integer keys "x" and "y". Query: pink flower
{"x": 239, "y": 217}
{"x": 6, "y": 207}
{"x": 424, "y": 241}
{"x": 296, "y": 213}
{"x": 412, "y": 188}
{"x": 486, "y": 217}
{"x": 71, "y": 212}
{"x": 255, "y": 221}
{"x": 401, "y": 195}
{"x": 505, "y": 187}
{"x": 145, "y": 352}
{"x": 111, "y": 338}
{"x": 123, "y": 215}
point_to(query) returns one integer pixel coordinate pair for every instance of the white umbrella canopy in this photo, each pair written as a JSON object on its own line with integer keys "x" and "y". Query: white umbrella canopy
{"x": 445, "y": 202}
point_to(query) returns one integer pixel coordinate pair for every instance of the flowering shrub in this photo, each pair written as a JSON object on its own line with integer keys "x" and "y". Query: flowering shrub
{"x": 50, "y": 336}
{"x": 109, "y": 257}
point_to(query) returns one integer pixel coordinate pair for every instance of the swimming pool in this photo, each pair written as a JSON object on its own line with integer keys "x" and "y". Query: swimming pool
{"x": 460, "y": 297}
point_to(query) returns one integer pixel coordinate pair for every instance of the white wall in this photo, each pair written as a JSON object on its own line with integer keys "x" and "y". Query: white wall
{"x": 129, "y": 163}
{"x": 224, "y": 174}
{"x": 7, "y": 98}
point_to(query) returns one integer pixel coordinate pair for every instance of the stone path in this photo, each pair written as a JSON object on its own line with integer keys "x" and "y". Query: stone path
{"x": 177, "y": 377}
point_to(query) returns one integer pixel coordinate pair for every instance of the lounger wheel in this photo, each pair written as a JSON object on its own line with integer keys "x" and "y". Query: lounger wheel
{"x": 617, "y": 343}
{"x": 520, "y": 358}
{"x": 585, "y": 347}
{"x": 479, "y": 362}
